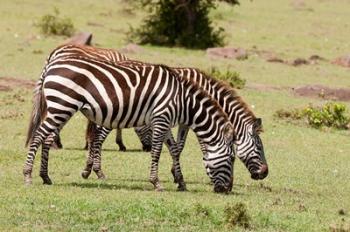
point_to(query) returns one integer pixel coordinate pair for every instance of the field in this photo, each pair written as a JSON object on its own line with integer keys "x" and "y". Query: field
{"x": 308, "y": 187}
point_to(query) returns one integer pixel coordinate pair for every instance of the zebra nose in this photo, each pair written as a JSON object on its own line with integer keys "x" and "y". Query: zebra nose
{"x": 264, "y": 171}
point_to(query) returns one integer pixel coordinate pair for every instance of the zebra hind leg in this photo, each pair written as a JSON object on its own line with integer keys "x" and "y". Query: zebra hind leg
{"x": 119, "y": 140}
{"x": 45, "y": 159}
{"x": 94, "y": 154}
{"x": 40, "y": 135}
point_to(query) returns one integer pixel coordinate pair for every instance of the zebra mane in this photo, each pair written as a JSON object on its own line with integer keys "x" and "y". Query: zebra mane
{"x": 230, "y": 91}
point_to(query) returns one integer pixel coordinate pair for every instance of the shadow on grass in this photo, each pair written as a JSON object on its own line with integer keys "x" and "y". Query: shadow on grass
{"x": 149, "y": 188}
{"x": 107, "y": 149}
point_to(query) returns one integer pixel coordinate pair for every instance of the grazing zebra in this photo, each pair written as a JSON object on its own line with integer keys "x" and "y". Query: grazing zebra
{"x": 92, "y": 52}
{"x": 249, "y": 147}
{"x": 248, "y": 143}
{"x": 126, "y": 94}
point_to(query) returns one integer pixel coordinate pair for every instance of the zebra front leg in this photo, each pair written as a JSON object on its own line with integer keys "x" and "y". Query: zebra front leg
{"x": 176, "y": 169}
{"x": 119, "y": 140}
{"x": 181, "y": 138}
{"x": 159, "y": 134}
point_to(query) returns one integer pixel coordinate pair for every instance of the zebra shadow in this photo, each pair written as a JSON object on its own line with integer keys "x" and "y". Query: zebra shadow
{"x": 148, "y": 188}
{"x": 107, "y": 149}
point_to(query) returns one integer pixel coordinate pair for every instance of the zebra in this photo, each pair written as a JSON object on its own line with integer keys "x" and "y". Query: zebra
{"x": 122, "y": 95}
{"x": 93, "y": 52}
{"x": 248, "y": 144}
{"x": 249, "y": 147}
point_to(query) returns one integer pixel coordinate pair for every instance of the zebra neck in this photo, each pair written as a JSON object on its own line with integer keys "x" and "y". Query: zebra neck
{"x": 201, "y": 113}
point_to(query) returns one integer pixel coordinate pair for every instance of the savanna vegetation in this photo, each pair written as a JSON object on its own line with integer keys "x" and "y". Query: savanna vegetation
{"x": 308, "y": 186}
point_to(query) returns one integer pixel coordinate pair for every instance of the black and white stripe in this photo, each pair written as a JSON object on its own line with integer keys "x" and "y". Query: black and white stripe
{"x": 130, "y": 95}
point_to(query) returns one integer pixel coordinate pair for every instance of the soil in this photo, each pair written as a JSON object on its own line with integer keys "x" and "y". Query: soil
{"x": 342, "y": 61}
{"x": 324, "y": 92}
{"x": 312, "y": 91}
{"x": 9, "y": 83}
{"x": 228, "y": 53}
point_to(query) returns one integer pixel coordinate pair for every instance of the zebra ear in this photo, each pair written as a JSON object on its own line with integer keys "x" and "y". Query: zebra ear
{"x": 257, "y": 126}
{"x": 229, "y": 132}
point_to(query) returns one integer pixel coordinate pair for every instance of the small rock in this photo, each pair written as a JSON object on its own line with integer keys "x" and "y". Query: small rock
{"x": 227, "y": 52}
{"x": 342, "y": 61}
{"x": 341, "y": 212}
{"x": 131, "y": 48}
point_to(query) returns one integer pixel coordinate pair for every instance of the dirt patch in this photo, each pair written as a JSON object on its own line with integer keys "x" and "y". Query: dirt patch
{"x": 8, "y": 83}
{"x": 228, "y": 53}
{"x": 342, "y": 61}
{"x": 271, "y": 56}
{"x": 324, "y": 92}
{"x": 262, "y": 87}
{"x": 314, "y": 59}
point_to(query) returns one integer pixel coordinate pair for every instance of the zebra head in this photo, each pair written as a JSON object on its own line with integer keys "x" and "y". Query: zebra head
{"x": 250, "y": 150}
{"x": 218, "y": 159}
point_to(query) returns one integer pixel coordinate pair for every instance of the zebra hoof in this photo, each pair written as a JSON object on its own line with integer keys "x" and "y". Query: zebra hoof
{"x": 101, "y": 176}
{"x": 85, "y": 174}
{"x": 122, "y": 148}
{"x": 181, "y": 189}
{"x": 159, "y": 189}
{"x": 47, "y": 181}
{"x": 146, "y": 148}
{"x": 28, "y": 182}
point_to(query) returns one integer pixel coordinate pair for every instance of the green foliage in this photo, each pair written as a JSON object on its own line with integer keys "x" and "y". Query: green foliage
{"x": 331, "y": 114}
{"x": 179, "y": 23}
{"x": 53, "y": 24}
{"x": 237, "y": 215}
{"x": 232, "y": 77}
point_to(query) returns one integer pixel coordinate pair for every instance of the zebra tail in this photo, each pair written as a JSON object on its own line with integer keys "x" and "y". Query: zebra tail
{"x": 38, "y": 112}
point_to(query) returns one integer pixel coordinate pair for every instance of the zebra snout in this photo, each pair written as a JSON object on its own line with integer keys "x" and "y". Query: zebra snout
{"x": 261, "y": 173}
{"x": 221, "y": 188}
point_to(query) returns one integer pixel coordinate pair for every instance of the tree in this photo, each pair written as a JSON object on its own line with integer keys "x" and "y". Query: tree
{"x": 180, "y": 23}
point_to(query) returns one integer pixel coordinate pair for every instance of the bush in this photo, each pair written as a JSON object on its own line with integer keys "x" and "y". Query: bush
{"x": 231, "y": 77}
{"x": 331, "y": 115}
{"x": 179, "y": 23}
{"x": 53, "y": 24}
{"x": 237, "y": 215}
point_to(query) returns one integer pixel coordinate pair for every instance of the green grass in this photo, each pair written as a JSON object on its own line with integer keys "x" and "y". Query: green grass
{"x": 308, "y": 181}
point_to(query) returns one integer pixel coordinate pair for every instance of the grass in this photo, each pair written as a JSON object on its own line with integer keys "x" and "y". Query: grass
{"x": 308, "y": 181}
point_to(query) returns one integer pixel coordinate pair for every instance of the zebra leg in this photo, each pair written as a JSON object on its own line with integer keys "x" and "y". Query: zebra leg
{"x": 40, "y": 135}
{"x": 94, "y": 155}
{"x": 45, "y": 158}
{"x": 89, "y": 133}
{"x": 181, "y": 139}
{"x": 176, "y": 169}
{"x": 145, "y": 135}
{"x": 56, "y": 144}
{"x": 119, "y": 140}
{"x": 159, "y": 134}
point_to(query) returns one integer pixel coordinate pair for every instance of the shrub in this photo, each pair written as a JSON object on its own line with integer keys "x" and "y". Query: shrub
{"x": 179, "y": 23}
{"x": 331, "y": 114}
{"x": 237, "y": 215}
{"x": 53, "y": 24}
{"x": 231, "y": 77}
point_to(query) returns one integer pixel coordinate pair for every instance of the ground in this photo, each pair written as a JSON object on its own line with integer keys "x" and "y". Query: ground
{"x": 308, "y": 185}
